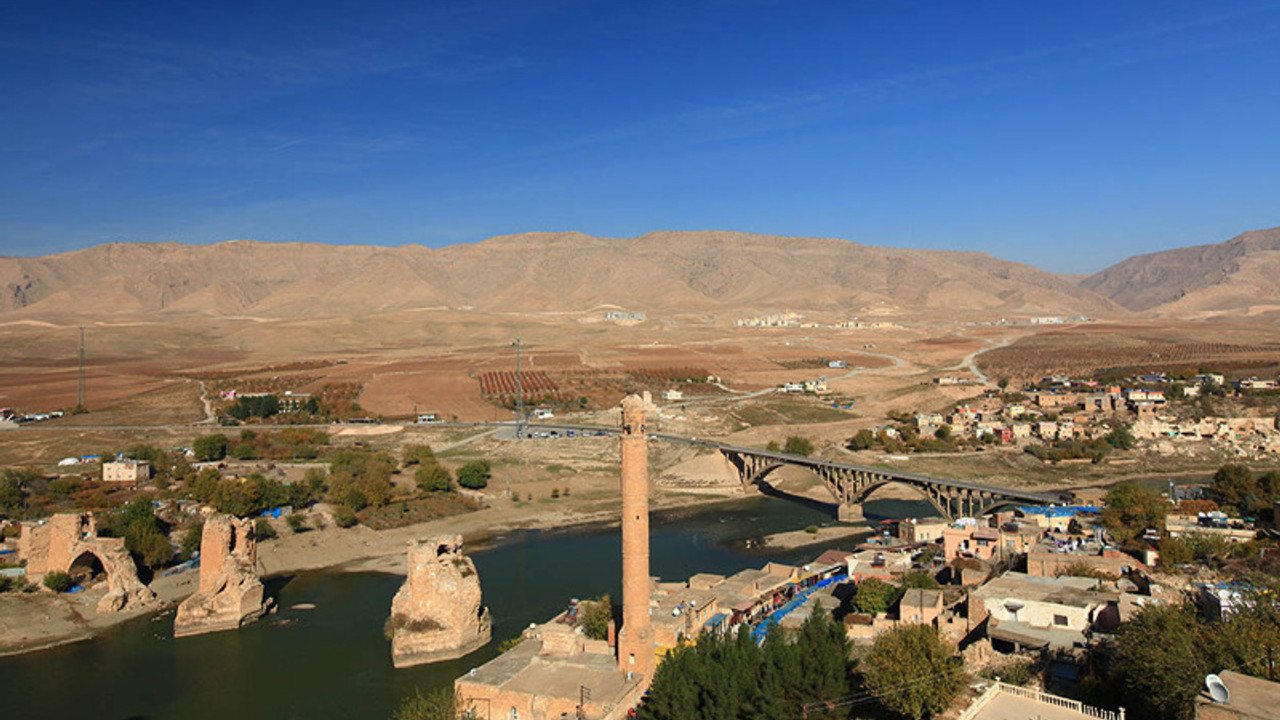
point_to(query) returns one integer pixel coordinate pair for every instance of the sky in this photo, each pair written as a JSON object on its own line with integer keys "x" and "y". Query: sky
{"x": 1067, "y": 135}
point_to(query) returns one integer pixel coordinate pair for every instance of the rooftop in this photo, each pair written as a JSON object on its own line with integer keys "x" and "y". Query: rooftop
{"x": 1068, "y": 591}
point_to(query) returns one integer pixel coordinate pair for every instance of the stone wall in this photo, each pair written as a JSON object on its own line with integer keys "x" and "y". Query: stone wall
{"x": 71, "y": 539}
{"x": 230, "y": 593}
{"x": 437, "y": 614}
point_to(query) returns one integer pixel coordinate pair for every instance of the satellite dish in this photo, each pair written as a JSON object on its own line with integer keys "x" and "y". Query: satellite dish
{"x": 1217, "y": 689}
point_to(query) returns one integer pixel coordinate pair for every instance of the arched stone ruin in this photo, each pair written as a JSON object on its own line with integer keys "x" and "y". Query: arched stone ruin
{"x": 437, "y": 614}
{"x": 69, "y": 543}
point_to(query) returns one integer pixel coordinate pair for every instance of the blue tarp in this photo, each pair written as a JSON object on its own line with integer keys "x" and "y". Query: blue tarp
{"x": 1064, "y": 511}
{"x": 774, "y": 617}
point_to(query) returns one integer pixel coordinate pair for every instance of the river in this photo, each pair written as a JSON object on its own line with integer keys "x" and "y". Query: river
{"x": 334, "y": 662}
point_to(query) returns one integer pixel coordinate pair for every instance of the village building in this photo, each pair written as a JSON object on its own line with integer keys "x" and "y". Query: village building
{"x": 1026, "y": 611}
{"x": 126, "y": 471}
{"x": 920, "y": 606}
{"x": 914, "y": 530}
{"x": 1247, "y": 698}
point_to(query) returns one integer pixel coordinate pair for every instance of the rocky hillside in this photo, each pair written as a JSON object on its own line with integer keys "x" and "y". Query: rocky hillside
{"x": 1239, "y": 276}
{"x": 557, "y": 272}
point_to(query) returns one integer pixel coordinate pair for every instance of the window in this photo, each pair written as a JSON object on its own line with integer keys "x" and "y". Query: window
{"x": 1060, "y": 620}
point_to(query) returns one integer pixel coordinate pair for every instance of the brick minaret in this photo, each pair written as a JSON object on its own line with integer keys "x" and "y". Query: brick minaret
{"x": 635, "y": 640}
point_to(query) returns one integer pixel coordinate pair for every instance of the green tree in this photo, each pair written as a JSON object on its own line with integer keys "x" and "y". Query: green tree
{"x": 1121, "y": 438}
{"x": 797, "y": 445}
{"x": 190, "y": 539}
{"x": 943, "y": 433}
{"x": 913, "y": 672}
{"x": 439, "y": 704}
{"x": 1161, "y": 658}
{"x": 876, "y": 596}
{"x": 210, "y": 448}
{"x": 262, "y": 529}
{"x": 1131, "y": 509}
{"x": 1174, "y": 552}
{"x": 863, "y": 440}
{"x": 14, "y": 486}
{"x": 58, "y": 582}
{"x": 595, "y": 617}
{"x": 1233, "y": 483}
{"x": 474, "y": 475}
{"x": 773, "y": 446}
{"x": 918, "y": 579}
{"x": 433, "y": 477}
{"x": 360, "y": 479}
{"x": 1002, "y": 383}
{"x": 343, "y": 516}
{"x": 417, "y": 454}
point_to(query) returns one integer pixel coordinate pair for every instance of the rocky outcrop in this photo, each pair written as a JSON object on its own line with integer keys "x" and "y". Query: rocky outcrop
{"x": 230, "y": 593}
{"x": 69, "y": 543}
{"x": 437, "y": 615}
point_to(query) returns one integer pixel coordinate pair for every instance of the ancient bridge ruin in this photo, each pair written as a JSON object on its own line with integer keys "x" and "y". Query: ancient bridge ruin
{"x": 69, "y": 543}
{"x": 851, "y": 484}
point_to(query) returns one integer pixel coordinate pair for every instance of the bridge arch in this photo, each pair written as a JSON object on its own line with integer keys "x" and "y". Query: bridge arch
{"x": 851, "y": 484}
{"x": 87, "y": 566}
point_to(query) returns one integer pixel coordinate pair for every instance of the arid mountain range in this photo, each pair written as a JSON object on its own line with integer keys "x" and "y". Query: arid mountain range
{"x": 1240, "y": 276}
{"x": 664, "y": 272}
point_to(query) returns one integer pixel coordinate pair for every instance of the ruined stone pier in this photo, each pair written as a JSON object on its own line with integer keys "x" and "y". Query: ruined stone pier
{"x": 230, "y": 593}
{"x": 437, "y": 614}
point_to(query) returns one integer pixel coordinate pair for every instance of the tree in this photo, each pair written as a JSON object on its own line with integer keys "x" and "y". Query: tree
{"x": 1233, "y": 483}
{"x": 797, "y": 445}
{"x": 433, "y": 477}
{"x": 191, "y": 537}
{"x": 863, "y": 440}
{"x": 416, "y": 454}
{"x": 440, "y": 704}
{"x": 912, "y": 671}
{"x": 595, "y": 617}
{"x": 262, "y": 529}
{"x": 1121, "y": 438}
{"x": 1002, "y": 383}
{"x": 1174, "y": 552}
{"x": 918, "y": 579}
{"x": 58, "y": 581}
{"x": 14, "y": 484}
{"x": 474, "y": 475}
{"x": 876, "y": 596}
{"x": 360, "y": 479}
{"x": 1131, "y": 509}
{"x": 210, "y": 448}
{"x": 773, "y": 446}
{"x": 1160, "y": 661}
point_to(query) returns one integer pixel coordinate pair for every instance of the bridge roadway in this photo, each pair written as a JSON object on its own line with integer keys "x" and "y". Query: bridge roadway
{"x": 849, "y": 484}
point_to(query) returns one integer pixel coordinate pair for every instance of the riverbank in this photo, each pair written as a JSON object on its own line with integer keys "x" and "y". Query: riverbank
{"x": 30, "y": 622}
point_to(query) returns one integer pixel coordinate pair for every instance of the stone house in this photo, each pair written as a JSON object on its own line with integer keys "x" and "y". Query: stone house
{"x": 920, "y": 606}
{"x": 126, "y": 471}
{"x": 1028, "y": 611}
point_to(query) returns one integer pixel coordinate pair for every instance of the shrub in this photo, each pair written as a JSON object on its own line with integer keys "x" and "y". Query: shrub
{"x": 797, "y": 445}
{"x": 432, "y": 477}
{"x": 595, "y": 617}
{"x": 474, "y": 475}
{"x": 262, "y": 529}
{"x": 343, "y": 516}
{"x": 812, "y": 529}
{"x": 210, "y": 448}
{"x": 510, "y": 643}
{"x": 297, "y": 523}
{"x": 58, "y": 581}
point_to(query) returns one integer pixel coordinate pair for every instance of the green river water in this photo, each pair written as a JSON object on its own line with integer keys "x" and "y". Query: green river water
{"x": 333, "y": 661}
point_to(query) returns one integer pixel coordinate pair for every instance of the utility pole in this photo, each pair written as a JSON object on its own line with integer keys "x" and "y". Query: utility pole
{"x": 519, "y": 395}
{"x": 80, "y": 383}
{"x": 583, "y": 696}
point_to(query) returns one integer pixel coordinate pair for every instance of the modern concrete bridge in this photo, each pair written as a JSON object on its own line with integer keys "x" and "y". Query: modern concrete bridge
{"x": 851, "y": 484}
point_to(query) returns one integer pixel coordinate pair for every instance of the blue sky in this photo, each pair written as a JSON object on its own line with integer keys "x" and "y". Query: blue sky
{"x": 1063, "y": 134}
